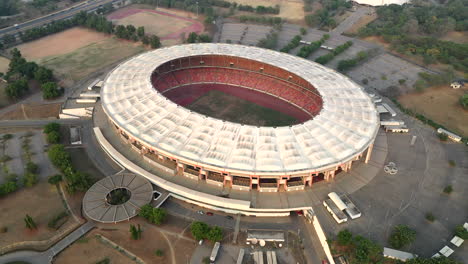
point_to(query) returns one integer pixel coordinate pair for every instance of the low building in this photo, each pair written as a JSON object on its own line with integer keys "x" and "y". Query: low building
{"x": 450, "y": 135}
{"x": 265, "y": 235}
{"x": 397, "y": 254}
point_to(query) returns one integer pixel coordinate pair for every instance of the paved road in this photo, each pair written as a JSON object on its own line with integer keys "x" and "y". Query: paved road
{"x": 60, "y": 15}
{"x": 353, "y": 18}
{"x": 46, "y": 256}
{"x": 39, "y": 123}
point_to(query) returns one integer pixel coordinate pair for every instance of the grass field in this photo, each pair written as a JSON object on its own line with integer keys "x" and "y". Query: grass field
{"x": 231, "y": 108}
{"x": 75, "y": 53}
{"x": 441, "y": 105}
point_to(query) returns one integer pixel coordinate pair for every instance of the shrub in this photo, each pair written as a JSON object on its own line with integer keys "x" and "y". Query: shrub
{"x": 303, "y": 31}
{"x": 29, "y": 179}
{"x": 344, "y": 237}
{"x": 442, "y": 136}
{"x": 206, "y": 260}
{"x": 401, "y": 81}
{"x": 53, "y": 137}
{"x": 104, "y": 261}
{"x": 5, "y": 158}
{"x": 215, "y": 234}
{"x": 430, "y": 217}
{"x": 59, "y": 157}
{"x": 159, "y": 253}
{"x": 52, "y": 127}
{"x": 365, "y": 81}
{"x": 464, "y": 101}
{"x": 7, "y": 137}
{"x": 448, "y": 189}
{"x": 401, "y": 236}
{"x": 3, "y": 229}
{"x": 32, "y": 167}
{"x": 54, "y": 179}
{"x": 199, "y": 230}
{"x": 461, "y": 232}
{"x": 29, "y": 222}
{"x": 452, "y": 163}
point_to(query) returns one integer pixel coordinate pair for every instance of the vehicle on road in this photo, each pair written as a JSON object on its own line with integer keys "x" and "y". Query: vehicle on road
{"x": 200, "y": 212}
{"x": 229, "y": 217}
{"x": 209, "y": 213}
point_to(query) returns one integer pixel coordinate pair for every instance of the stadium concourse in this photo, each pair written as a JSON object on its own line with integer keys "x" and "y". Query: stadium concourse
{"x": 144, "y": 99}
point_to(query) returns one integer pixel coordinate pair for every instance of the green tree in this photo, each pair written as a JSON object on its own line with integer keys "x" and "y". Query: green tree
{"x": 54, "y": 179}
{"x": 192, "y": 37}
{"x": 50, "y": 90}
{"x": 199, "y": 230}
{"x": 303, "y": 31}
{"x": 154, "y": 215}
{"x": 439, "y": 260}
{"x": 17, "y": 89}
{"x": 135, "y": 232}
{"x": 154, "y": 42}
{"x": 29, "y": 222}
{"x": 215, "y": 234}
{"x": 32, "y": 167}
{"x": 43, "y": 75}
{"x": 53, "y": 137}
{"x": 159, "y": 253}
{"x": 464, "y": 101}
{"x": 59, "y": 157}
{"x": 29, "y": 179}
{"x": 461, "y": 232}
{"x": 141, "y": 32}
{"x": 401, "y": 236}
{"x": 53, "y": 126}
{"x": 344, "y": 237}
{"x": 204, "y": 38}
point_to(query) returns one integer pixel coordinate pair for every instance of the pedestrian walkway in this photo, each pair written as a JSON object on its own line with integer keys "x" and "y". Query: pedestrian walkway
{"x": 34, "y": 257}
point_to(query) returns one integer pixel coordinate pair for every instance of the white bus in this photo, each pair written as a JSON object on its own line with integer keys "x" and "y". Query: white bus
{"x": 214, "y": 252}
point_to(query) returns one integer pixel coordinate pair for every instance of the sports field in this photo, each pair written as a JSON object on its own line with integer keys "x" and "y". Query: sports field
{"x": 231, "y": 108}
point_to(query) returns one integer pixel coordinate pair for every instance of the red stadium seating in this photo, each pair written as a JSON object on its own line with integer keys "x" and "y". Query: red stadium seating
{"x": 277, "y": 82}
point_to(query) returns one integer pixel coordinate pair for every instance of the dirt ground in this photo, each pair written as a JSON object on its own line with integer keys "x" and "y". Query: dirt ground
{"x": 60, "y": 43}
{"x": 4, "y": 62}
{"x": 364, "y": 20}
{"x": 441, "y": 105}
{"x": 292, "y": 10}
{"x": 167, "y": 25}
{"x": 456, "y": 36}
{"x": 93, "y": 249}
{"x": 41, "y": 202}
{"x": 33, "y": 111}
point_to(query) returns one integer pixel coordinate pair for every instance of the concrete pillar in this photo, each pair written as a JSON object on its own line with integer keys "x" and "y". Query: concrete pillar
{"x": 327, "y": 175}
{"x": 228, "y": 179}
{"x": 350, "y": 164}
{"x": 202, "y": 173}
{"x": 369, "y": 152}
{"x": 332, "y": 174}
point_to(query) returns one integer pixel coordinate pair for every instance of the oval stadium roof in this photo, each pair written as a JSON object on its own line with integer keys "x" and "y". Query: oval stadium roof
{"x": 346, "y": 125}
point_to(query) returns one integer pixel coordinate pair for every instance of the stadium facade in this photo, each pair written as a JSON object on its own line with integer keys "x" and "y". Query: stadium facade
{"x": 144, "y": 98}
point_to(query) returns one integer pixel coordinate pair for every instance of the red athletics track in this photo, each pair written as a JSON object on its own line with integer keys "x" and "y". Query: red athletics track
{"x": 194, "y": 27}
{"x": 186, "y": 95}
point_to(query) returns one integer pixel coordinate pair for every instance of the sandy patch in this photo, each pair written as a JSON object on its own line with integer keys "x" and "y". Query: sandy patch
{"x": 456, "y": 36}
{"x": 4, "y": 62}
{"x": 41, "y": 202}
{"x": 60, "y": 43}
{"x": 440, "y": 104}
{"x": 289, "y": 9}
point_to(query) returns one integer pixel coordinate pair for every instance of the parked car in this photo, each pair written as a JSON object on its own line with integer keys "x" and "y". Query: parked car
{"x": 200, "y": 242}
{"x": 200, "y": 212}
{"x": 300, "y": 213}
{"x": 229, "y": 217}
{"x": 209, "y": 213}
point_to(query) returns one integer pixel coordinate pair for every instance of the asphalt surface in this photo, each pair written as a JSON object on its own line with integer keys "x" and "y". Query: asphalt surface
{"x": 60, "y": 15}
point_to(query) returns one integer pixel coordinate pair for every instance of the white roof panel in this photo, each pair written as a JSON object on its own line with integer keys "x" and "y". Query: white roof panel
{"x": 345, "y": 126}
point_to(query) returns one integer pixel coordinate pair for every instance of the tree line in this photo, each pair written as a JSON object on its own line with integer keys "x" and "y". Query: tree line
{"x": 292, "y": 44}
{"x": 269, "y": 42}
{"x": 346, "y": 65}
{"x": 95, "y": 22}
{"x": 262, "y": 20}
{"x": 21, "y": 71}
{"x": 306, "y": 50}
{"x": 76, "y": 181}
{"x": 8, "y": 7}
{"x": 329, "y": 56}
{"x": 415, "y": 29}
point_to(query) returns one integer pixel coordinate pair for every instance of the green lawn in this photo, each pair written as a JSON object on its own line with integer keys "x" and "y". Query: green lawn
{"x": 231, "y": 108}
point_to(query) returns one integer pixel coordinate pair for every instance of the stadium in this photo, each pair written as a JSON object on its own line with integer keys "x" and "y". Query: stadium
{"x": 333, "y": 121}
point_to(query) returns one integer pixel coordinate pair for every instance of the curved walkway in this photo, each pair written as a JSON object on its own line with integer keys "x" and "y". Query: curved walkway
{"x": 34, "y": 257}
